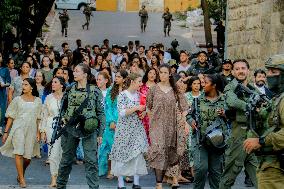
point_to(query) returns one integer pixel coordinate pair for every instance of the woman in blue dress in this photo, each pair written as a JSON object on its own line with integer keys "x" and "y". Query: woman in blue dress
{"x": 111, "y": 114}
{"x": 4, "y": 83}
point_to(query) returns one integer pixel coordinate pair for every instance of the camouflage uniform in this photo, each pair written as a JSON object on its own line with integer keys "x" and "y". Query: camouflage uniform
{"x": 167, "y": 16}
{"x": 94, "y": 114}
{"x": 269, "y": 173}
{"x": 235, "y": 156}
{"x": 207, "y": 159}
{"x": 214, "y": 61}
{"x": 64, "y": 18}
{"x": 228, "y": 78}
{"x": 143, "y": 19}
{"x": 88, "y": 12}
{"x": 196, "y": 69}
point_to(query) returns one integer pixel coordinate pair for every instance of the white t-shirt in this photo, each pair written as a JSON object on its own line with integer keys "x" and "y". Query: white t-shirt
{"x": 182, "y": 68}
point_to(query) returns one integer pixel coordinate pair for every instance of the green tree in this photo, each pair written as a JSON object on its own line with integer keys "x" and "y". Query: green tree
{"x": 217, "y": 9}
{"x": 28, "y": 16}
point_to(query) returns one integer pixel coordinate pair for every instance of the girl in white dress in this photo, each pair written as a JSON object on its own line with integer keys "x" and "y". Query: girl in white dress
{"x": 130, "y": 141}
{"x": 23, "y": 119}
{"x": 49, "y": 111}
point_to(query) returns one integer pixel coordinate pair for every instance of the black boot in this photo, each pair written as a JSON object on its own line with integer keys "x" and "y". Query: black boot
{"x": 248, "y": 182}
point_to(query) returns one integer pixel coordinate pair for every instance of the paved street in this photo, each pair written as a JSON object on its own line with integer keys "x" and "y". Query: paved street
{"x": 119, "y": 28}
{"x": 38, "y": 177}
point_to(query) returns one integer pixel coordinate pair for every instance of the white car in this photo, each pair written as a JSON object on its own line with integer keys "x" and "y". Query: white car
{"x": 74, "y": 4}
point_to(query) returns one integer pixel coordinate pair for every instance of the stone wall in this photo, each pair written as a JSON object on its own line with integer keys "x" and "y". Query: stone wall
{"x": 255, "y": 30}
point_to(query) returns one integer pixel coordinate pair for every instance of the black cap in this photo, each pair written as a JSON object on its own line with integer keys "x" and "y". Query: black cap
{"x": 114, "y": 46}
{"x": 227, "y": 61}
{"x": 209, "y": 45}
{"x": 174, "y": 66}
{"x": 204, "y": 52}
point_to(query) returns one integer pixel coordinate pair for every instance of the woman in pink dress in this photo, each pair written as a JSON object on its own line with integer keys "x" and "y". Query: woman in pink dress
{"x": 149, "y": 79}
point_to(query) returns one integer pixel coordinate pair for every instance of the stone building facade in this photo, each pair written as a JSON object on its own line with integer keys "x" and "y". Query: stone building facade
{"x": 255, "y": 30}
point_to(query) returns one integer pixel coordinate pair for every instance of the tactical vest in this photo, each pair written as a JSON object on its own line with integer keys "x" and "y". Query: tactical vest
{"x": 272, "y": 125}
{"x": 208, "y": 111}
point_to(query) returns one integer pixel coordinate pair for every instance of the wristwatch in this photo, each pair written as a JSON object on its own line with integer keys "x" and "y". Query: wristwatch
{"x": 261, "y": 140}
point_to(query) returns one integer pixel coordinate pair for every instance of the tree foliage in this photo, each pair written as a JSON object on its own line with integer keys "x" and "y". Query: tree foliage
{"x": 217, "y": 9}
{"x": 9, "y": 13}
{"x": 27, "y": 16}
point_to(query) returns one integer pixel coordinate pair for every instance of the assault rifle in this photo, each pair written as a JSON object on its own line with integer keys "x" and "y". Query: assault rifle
{"x": 197, "y": 119}
{"x": 57, "y": 124}
{"x": 255, "y": 101}
{"x": 77, "y": 119}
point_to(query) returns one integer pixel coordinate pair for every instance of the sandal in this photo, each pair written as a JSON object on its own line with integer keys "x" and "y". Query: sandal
{"x": 109, "y": 176}
{"x": 159, "y": 186}
{"x": 22, "y": 183}
{"x": 128, "y": 180}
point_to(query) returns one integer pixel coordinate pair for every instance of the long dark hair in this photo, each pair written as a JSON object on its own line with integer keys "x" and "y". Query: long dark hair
{"x": 96, "y": 59}
{"x": 217, "y": 80}
{"x": 141, "y": 66}
{"x": 145, "y": 77}
{"x": 50, "y": 63}
{"x": 190, "y": 81}
{"x": 33, "y": 85}
{"x": 34, "y": 64}
{"x": 61, "y": 81}
{"x": 172, "y": 81}
{"x": 60, "y": 62}
{"x": 115, "y": 89}
{"x": 158, "y": 60}
{"x": 70, "y": 74}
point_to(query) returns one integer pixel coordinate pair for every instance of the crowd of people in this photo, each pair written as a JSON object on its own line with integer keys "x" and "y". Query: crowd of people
{"x": 129, "y": 108}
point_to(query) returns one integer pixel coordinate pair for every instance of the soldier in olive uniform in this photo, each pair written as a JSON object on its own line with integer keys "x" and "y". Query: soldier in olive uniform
{"x": 226, "y": 73}
{"x": 270, "y": 143}
{"x": 207, "y": 118}
{"x": 64, "y": 18}
{"x": 168, "y": 17}
{"x": 235, "y": 156}
{"x": 143, "y": 18}
{"x": 213, "y": 58}
{"x": 200, "y": 67}
{"x": 91, "y": 129}
{"x": 88, "y": 13}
